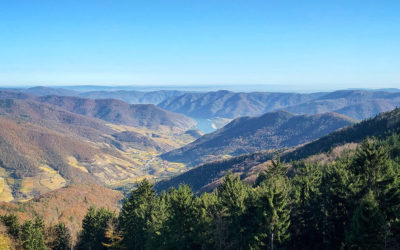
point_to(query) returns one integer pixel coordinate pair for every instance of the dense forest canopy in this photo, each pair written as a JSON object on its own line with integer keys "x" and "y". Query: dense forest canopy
{"x": 352, "y": 202}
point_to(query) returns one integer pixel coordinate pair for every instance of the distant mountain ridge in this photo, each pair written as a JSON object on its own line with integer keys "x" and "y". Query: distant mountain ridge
{"x": 133, "y": 96}
{"x": 245, "y": 135}
{"x": 113, "y": 111}
{"x": 119, "y": 112}
{"x": 357, "y": 104}
{"x": 229, "y": 104}
{"x": 41, "y": 91}
{"x": 129, "y": 96}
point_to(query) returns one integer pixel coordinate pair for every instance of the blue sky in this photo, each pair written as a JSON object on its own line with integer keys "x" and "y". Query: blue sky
{"x": 311, "y": 44}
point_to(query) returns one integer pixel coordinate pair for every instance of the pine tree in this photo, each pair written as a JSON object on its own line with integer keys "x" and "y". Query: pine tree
{"x": 371, "y": 166}
{"x": 62, "y": 237}
{"x": 276, "y": 196}
{"x": 375, "y": 172}
{"x": 337, "y": 199}
{"x": 182, "y": 219}
{"x": 141, "y": 217}
{"x": 207, "y": 213}
{"x": 12, "y": 223}
{"x": 231, "y": 195}
{"x": 31, "y": 235}
{"x": 276, "y": 168}
{"x": 367, "y": 226}
{"x": 306, "y": 215}
{"x": 93, "y": 228}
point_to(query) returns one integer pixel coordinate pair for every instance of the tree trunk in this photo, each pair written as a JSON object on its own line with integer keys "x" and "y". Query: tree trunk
{"x": 272, "y": 241}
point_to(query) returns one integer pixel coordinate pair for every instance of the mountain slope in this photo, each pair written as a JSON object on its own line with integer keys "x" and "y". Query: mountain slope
{"x": 44, "y": 147}
{"x": 202, "y": 177}
{"x": 36, "y": 160}
{"x": 114, "y": 111}
{"x": 119, "y": 112}
{"x": 134, "y": 97}
{"x": 42, "y": 91}
{"x": 250, "y": 134}
{"x": 50, "y": 117}
{"x": 357, "y": 104}
{"x": 68, "y": 205}
{"x": 129, "y": 96}
{"x": 229, "y": 104}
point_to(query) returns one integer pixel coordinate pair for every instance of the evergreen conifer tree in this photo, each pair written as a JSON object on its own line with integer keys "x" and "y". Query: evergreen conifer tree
{"x": 93, "y": 228}
{"x": 182, "y": 219}
{"x": 276, "y": 198}
{"x": 367, "y": 226}
{"x": 62, "y": 239}
{"x": 141, "y": 217}
{"x": 231, "y": 195}
{"x": 31, "y": 235}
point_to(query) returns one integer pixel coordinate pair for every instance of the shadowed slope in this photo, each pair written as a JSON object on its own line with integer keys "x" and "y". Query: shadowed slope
{"x": 201, "y": 177}
{"x": 250, "y": 134}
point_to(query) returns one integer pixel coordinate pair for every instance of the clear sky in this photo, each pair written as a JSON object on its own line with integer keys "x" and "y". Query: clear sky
{"x": 324, "y": 44}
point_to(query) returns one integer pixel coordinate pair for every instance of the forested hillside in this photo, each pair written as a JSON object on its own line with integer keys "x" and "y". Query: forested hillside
{"x": 352, "y": 202}
{"x": 112, "y": 111}
{"x": 230, "y": 104}
{"x": 274, "y": 130}
{"x": 64, "y": 208}
{"x": 119, "y": 112}
{"x": 204, "y": 176}
{"x": 129, "y": 96}
{"x": 357, "y": 104}
{"x": 284, "y": 195}
{"x": 44, "y": 147}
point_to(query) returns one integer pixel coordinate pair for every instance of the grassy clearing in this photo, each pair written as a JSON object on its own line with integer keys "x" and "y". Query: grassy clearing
{"x": 27, "y": 185}
{"x": 51, "y": 179}
{"x": 74, "y": 163}
{"x": 5, "y": 194}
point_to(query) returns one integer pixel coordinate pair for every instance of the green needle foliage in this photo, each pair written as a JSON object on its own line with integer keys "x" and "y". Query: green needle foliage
{"x": 352, "y": 202}
{"x": 367, "y": 229}
{"x": 31, "y": 234}
{"x": 94, "y": 227}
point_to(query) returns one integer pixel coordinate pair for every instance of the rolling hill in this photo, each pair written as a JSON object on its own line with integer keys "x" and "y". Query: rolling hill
{"x": 245, "y": 135}
{"x": 44, "y": 147}
{"x": 205, "y": 177}
{"x": 42, "y": 91}
{"x": 129, "y": 96}
{"x": 229, "y": 104}
{"x": 357, "y": 104}
{"x": 68, "y": 205}
{"x": 114, "y": 111}
{"x": 132, "y": 96}
{"x": 119, "y": 112}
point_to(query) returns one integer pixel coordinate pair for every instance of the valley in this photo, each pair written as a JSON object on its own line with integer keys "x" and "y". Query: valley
{"x": 52, "y": 137}
{"x": 45, "y": 146}
{"x": 199, "y": 125}
{"x": 61, "y": 153}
